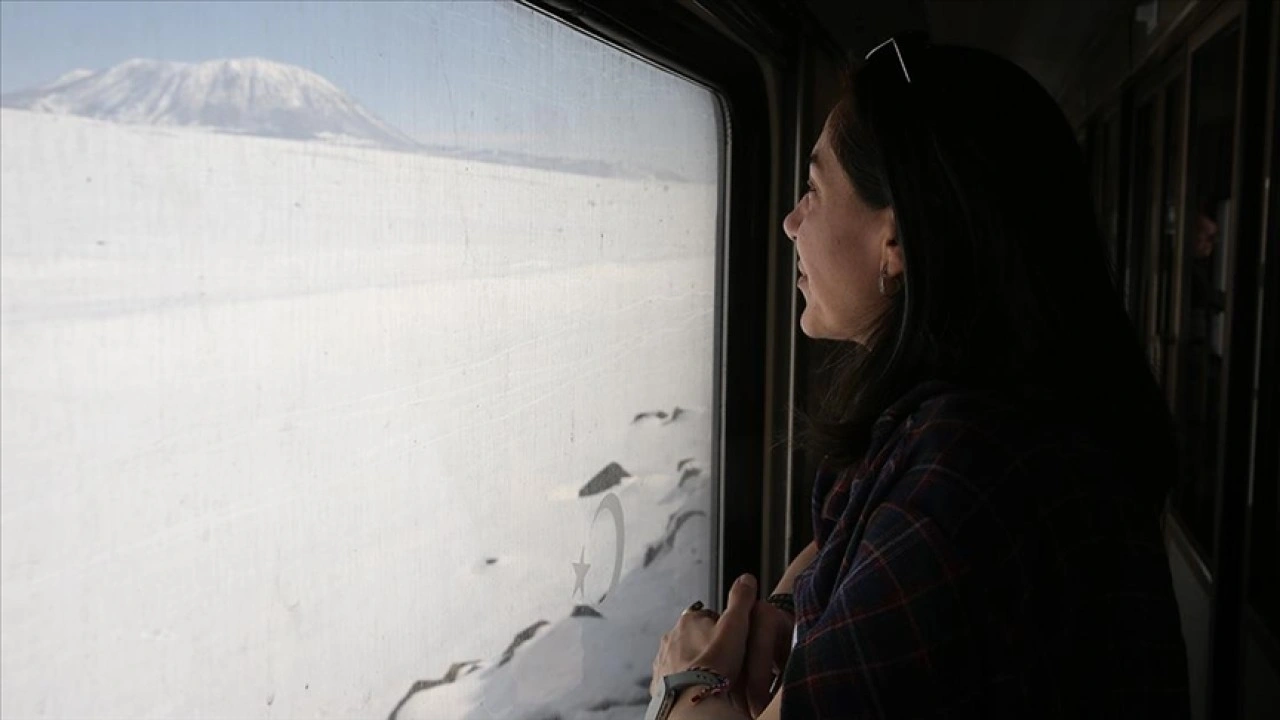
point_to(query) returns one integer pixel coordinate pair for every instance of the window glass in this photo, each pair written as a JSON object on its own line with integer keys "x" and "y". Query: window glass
{"x": 1138, "y": 270}
{"x": 1098, "y": 152}
{"x": 358, "y": 360}
{"x": 1264, "y": 539}
{"x": 1110, "y": 194}
{"x": 1170, "y": 207}
{"x": 1207, "y": 241}
{"x": 1264, "y": 494}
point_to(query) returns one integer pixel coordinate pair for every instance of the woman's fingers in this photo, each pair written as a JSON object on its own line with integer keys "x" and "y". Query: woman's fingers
{"x": 761, "y": 652}
{"x": 767, "y": 652}
{"x": 729, "y": 639}
{"x": 735, "y": 621}
{"x": 782, "y": 639}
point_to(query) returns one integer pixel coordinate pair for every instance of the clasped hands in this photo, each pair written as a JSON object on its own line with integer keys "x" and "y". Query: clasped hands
{"x": 749, "y": 642}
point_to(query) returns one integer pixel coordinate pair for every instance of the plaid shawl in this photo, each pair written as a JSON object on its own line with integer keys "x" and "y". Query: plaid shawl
{"x": 981, "y": 562}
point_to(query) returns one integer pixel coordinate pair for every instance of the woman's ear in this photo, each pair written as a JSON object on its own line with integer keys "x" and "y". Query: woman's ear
{"x": 890, "y": 249}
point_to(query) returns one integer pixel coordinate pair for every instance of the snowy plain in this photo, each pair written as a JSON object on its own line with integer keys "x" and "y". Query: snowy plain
{"x": 289, "y": 426}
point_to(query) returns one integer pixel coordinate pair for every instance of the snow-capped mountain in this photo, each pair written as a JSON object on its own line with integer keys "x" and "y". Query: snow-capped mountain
{"x": 68, "y": 78}
{"x": 250, "y": 96}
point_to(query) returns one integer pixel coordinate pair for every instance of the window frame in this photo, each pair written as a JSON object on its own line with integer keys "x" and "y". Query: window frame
{"x": 1113, "y": 207}
{"x": 1157, "y": 341}
{"x": 1173, "y": 350}
{"x": 1245, "y": 497}
{"x": 1262, "y": 592}
{"x": 1236, "y": 419}
{"x": 1134, "y": 280}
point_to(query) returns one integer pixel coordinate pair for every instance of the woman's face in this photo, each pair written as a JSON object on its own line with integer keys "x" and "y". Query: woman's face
{"x": 842, "y": 244}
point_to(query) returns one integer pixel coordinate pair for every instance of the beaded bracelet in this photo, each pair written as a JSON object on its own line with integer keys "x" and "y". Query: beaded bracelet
{"x": 722, "y": 684}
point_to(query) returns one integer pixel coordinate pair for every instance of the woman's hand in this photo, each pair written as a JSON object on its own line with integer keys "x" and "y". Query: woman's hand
{"x": 701, "y": 639}
{"x": 768, "y": 648}
{"x": 769, "y": 645}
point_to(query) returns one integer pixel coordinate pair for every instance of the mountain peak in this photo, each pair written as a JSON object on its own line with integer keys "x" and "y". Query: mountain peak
{"x": 70, "y": 77}
{"x": 250, "y": 96}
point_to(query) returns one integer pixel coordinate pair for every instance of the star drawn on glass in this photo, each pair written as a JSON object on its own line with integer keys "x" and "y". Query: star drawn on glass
{"x": 580, "y": 568}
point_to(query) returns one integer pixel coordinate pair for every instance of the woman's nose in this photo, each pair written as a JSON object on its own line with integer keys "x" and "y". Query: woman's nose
{"x": 791, "y": 223}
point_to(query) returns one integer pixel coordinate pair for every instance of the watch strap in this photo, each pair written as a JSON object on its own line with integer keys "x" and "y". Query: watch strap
{"x": 672, "y": 684}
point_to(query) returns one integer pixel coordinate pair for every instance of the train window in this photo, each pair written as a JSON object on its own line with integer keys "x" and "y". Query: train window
{"x": 1110, "y": 185}
{"x": 1097, "y": 162}
{"x": 357, "y": 359}
{"x": 1137, "y": 294}
{"x": 1207, "y": 242}
{"x": 1264, "y": 541}
{"x": 1104, "y": 170}
{"x": 1170, "y": 214}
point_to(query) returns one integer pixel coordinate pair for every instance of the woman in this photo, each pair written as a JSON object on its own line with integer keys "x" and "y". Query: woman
{"x": 997, "y": 452}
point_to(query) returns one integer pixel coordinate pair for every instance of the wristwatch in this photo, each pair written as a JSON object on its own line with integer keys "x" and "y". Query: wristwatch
{"x": 660, "y": 705}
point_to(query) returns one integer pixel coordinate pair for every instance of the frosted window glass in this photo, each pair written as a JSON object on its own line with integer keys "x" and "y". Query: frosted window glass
{"x": 358, "y": 361}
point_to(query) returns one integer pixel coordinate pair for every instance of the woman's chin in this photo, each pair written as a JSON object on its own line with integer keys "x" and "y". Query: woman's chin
{"x": 809, "y": 324}
{"x": 813, "y": 327}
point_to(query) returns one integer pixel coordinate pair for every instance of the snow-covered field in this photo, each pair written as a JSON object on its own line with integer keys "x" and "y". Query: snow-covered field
{"x": 288, "y": 427}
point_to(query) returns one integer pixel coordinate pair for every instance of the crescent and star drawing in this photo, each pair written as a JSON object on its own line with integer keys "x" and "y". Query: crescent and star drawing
{"x": 612, "y": 504}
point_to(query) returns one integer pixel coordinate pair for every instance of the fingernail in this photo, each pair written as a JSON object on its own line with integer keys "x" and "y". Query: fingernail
{"x": 748, "y": 581}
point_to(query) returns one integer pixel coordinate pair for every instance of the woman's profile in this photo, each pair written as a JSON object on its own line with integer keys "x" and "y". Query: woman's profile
{"x": 997, "y": 452}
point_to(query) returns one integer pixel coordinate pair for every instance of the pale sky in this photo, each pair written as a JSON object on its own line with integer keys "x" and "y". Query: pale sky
{"x": 489, "y": 74}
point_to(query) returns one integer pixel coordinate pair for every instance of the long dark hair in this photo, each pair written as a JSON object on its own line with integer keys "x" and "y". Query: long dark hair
{"x": 1007, "y": 286}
